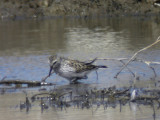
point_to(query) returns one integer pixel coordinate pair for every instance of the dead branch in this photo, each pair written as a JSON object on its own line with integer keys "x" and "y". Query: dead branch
{"x": 34, "y": 96}
{"x": 30, "y": 83}
{"x": 120, "y": 60}
{"x": 20, "y": 82}
{"x": 148, "y": 64}
{"x": 133, "y": 57}
{"x": 112, "y": 59}
{"x": 127, "y": 68}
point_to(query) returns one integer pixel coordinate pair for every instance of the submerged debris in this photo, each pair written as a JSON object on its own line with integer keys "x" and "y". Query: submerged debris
{"x": 62, "y": 98}
{"x": 25, "y": 105}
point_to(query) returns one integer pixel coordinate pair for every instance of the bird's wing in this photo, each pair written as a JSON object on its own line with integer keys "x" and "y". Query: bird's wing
{"x": 91, "y": 61}
{"x": 81, "y": 66}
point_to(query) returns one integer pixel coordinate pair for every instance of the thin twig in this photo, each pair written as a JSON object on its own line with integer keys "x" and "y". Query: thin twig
{"x": 118, "y": 59}
{"x": 139, "y": 60}
{"x": 121, "y": 59}
{"x": 128, "y": 68}
{"x": 133, "y": 57}
{"x": 148, "y": 64}
{"x": 112, "y": 59}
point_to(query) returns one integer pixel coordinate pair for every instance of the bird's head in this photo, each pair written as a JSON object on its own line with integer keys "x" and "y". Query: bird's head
{"x": 52, "y": 62}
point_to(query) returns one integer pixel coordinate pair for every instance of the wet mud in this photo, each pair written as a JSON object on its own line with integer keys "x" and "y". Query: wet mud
{"x": 81, "y": 8}
{"x": 85, "y": 96}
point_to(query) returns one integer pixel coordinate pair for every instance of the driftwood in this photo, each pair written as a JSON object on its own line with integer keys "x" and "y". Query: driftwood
{"x": 134, "y": 56}
{"x": 121, "y": 60}
{"x": 29, "y": 83}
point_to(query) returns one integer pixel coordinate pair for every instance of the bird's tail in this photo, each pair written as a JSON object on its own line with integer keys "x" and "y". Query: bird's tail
{"x": 102, "y": 66}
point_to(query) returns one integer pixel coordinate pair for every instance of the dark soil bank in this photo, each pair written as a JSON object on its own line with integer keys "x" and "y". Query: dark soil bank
{"x": 41, "y": 8}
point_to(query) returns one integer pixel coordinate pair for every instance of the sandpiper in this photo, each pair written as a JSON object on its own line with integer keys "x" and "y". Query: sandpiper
{"x": 72, "y": 70}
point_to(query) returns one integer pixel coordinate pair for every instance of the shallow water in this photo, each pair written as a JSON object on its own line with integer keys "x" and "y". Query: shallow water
{"x": 26, "y": 44}
{"x": 10, "y": 109}
{"x": 132, "y": 112}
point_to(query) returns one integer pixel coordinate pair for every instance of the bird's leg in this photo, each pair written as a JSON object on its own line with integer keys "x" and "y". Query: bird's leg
{"x": 74, "y": 81}
{"x": 85, "y": 77}
{"x": 44, "y": 79}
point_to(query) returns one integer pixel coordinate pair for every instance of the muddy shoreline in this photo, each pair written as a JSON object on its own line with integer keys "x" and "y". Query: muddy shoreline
{"x": 82, "y": 8}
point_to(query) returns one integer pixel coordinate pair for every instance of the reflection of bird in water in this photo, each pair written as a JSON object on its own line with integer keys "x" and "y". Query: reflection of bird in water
{"x": 72, "y": 70}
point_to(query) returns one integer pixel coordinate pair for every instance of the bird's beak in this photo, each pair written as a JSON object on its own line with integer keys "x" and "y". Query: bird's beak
{"x": 51, "y": 68}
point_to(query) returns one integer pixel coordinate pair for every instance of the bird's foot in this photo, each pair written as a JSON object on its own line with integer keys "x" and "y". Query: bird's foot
{"x": 74, "y": 81}
{"x": 85, "y": 77}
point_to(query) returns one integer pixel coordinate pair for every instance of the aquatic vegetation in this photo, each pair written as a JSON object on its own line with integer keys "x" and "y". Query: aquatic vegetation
{"x": 61, "y": 98}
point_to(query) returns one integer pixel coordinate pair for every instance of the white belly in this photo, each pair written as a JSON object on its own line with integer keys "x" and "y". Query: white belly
{"x": 69, "y": 73}
{"x": 66, "y": 68}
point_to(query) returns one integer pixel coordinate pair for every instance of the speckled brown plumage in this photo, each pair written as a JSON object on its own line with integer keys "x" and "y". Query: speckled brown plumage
{"x": 72, "y": 70}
